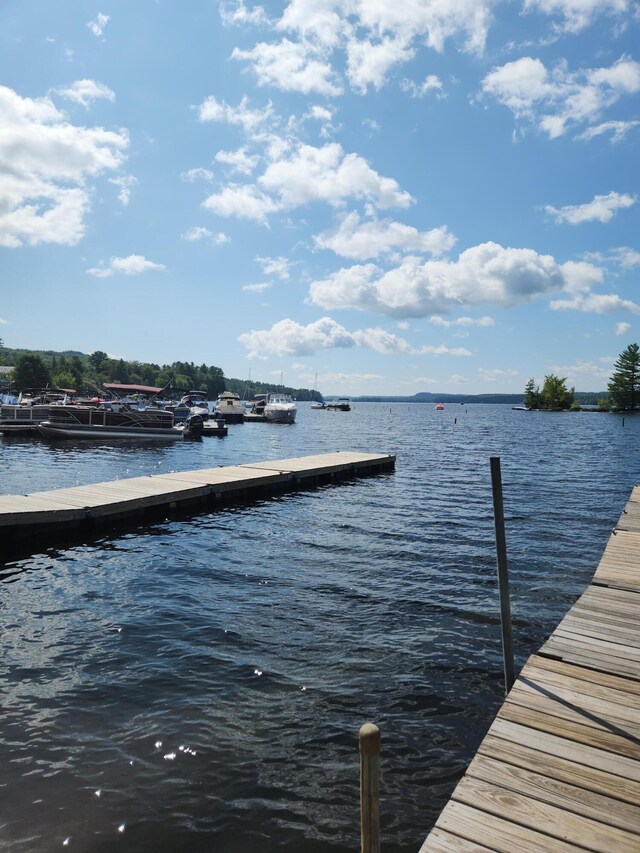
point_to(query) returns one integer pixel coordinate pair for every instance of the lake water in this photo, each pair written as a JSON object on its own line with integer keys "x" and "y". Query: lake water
{"x": 198, "y": 685}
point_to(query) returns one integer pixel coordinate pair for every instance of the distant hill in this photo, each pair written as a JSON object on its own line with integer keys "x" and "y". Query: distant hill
{"x": 583, "y": 397}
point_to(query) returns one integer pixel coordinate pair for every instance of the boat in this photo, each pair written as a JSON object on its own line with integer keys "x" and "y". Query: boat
{"x": 317, "y": 404}
{"x": 197, "y": 402}
{"x": 520, "y": 409}
{"x": 439, "y": 407}
{"x": 30, "y": 408}
{"x": 133, "y": 415}
{"x": 276, "y": 408}
{"x": 342, "y": 404}
{"x": 229, "y": 408}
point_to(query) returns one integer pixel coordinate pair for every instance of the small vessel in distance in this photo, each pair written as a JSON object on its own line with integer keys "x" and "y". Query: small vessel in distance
{"x": 439, "y": 407}
{"x": 342, "y": 404}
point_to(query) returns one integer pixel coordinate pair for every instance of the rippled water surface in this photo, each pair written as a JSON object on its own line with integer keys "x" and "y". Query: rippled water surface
{"x": 198, "y": 685}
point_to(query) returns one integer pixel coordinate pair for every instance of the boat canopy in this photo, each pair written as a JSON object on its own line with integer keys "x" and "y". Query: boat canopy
{"x": 131, "y": 389}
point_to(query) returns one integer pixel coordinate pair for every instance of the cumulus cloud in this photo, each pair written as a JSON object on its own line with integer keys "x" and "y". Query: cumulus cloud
{"x": 370, "y": 239}
{"x": 250, "y": 120}
{"x": 488, "y": 273}
{"x": 124, "y": 184}
{"x": 601, "y": 209}
{"x": 45, "y": 164}
{"x": 97, "y": 26}
{"x": 369, "y": 63}
{"x": 558, "y": 99}
{"x": 291, "y": 67}
{"x": 237, "y": 14}
{"x": 217, "y": 238}
{"x": 465, "y": 322}
{"x": 85, "y": 92}
{"x": 577, "y": 15}
{"x": 596, "y": 303}
{"x": 199, "y": 174}
{"x": 238, "y": 161}
{"x": 242, "y": 201}
{"x": 431, "y": 83}
{"x": 287, "y": 337}
{"x": 625, "y": 257}
{"x": 623, "y": 328}
{"x": 131, "y": 265}
{"x": 275, "y": 266}
{"x": 328, "y": 174}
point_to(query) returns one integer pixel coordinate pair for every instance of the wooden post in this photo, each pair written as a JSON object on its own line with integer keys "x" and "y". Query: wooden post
{"x": 503, "y": 575}
{"x": 369, "y": 789}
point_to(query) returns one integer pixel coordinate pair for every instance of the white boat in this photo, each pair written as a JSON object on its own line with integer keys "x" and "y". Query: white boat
{"x": 316, "y": 404}
{"x": 342, "y": 404}
{"x": 280, "y": 409}
{"x": 229, "y": 407}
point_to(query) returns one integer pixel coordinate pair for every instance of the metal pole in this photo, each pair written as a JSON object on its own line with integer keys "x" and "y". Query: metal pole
{"x": 369, "y": 790}
{"x": 503, "y": 575}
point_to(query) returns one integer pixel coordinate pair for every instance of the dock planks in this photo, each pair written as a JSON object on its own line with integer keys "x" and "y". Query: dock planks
{"x": 47, "y": 515}
{"x": 559, "y": 769}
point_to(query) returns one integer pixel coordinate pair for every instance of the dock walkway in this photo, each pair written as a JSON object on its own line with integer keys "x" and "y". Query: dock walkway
{"x": 64, "y": 512}
{"x": 559, "y": 769}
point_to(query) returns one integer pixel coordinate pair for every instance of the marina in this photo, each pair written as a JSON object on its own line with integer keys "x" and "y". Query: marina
{"x": 262, "y": 633}
{"x": 560, "y": 767}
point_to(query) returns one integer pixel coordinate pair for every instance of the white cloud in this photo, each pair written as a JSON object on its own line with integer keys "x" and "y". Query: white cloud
{"x": 275, "y": 266}
{"x": 618, "y": 130}
{"x": 558, "y": 99}
{"x": 258, "y": 288}
{"x": 604, "y": 303}
{"x": 291, "y": 67}
{"x": 199, "y": 174}
{"x": 370, "y": 239}
{"x": 124, "y": 183}
{"x": 238, "y": 160}
{"x": 368, "y": 64}
{"x": 213, "y": 110}
{"x": 235, "y": 14}
{"x": 85, "y": 92}
{"x": 287, "y": 337}
{"x": 627, "y": 258}
{"x": 218, "y": 238}
{"x": 243, "y": 202}
{"x": 131, "y": 265}
{"x": 623, "y": 328}
{"x": 577, "y": 14}
{"x": 466, "y": 322}
{"x": 487, "y": 273}
{"x": 45, "y": 163}
{"x": 601, "y": 209}
{"x": 582, "y": 371}
{"x": 431, "y": 83}
{"x": 496, "y": 373}
{"x": 97, "y": 26}
{"x": 329, "y": 175}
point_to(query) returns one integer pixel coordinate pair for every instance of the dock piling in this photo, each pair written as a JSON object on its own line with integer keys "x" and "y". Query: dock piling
{"x": 503, "y": 575}
{"x": 369, "y": 738}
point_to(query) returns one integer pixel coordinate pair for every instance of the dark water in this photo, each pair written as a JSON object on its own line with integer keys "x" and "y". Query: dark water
{"x": 198, "y": 685}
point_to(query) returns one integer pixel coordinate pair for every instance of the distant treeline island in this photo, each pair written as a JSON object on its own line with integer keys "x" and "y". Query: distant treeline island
{"x": 87, "y": 374}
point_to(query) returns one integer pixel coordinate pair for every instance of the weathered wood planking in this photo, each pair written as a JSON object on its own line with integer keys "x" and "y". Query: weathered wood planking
{"x": 559, "y": 769}
{"x": 46, "y": 515}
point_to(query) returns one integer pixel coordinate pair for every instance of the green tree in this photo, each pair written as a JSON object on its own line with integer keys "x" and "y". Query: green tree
{"x": 555, "y": 394}
{"x": 624, "y": 385}
{"x": 532, "y": 395}
{"x": 97, "y": 359}
{"x": 31, "y": 372}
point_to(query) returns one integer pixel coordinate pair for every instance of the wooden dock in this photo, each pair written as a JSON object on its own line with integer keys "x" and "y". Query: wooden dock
{"x": 559, "y": 769}
{"x": 68, "y": 512}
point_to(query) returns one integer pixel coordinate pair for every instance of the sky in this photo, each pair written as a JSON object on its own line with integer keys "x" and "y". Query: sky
{"x": 362, "y": 196}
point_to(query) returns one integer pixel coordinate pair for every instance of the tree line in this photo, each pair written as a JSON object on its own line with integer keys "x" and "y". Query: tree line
{"x": 86, "y": 374}
{"x": 623, "y": 387}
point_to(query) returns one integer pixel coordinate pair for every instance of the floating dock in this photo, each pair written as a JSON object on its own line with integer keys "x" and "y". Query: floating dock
{"x": 47, "y": 516}
{"x": 559, "y": 769}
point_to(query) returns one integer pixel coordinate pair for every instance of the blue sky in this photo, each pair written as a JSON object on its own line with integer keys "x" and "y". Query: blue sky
{"x": 430, "y": 195}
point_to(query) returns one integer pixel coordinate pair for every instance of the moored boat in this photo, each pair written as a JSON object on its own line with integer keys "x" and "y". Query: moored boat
{"x": 229, "y": 407}
{"x": 279, "y": 409}
{"x": 439, "y": 407}
{"x": 342, "y": 404}
{"x": 30, "y": 408}
{"x": 128, "y": 416}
